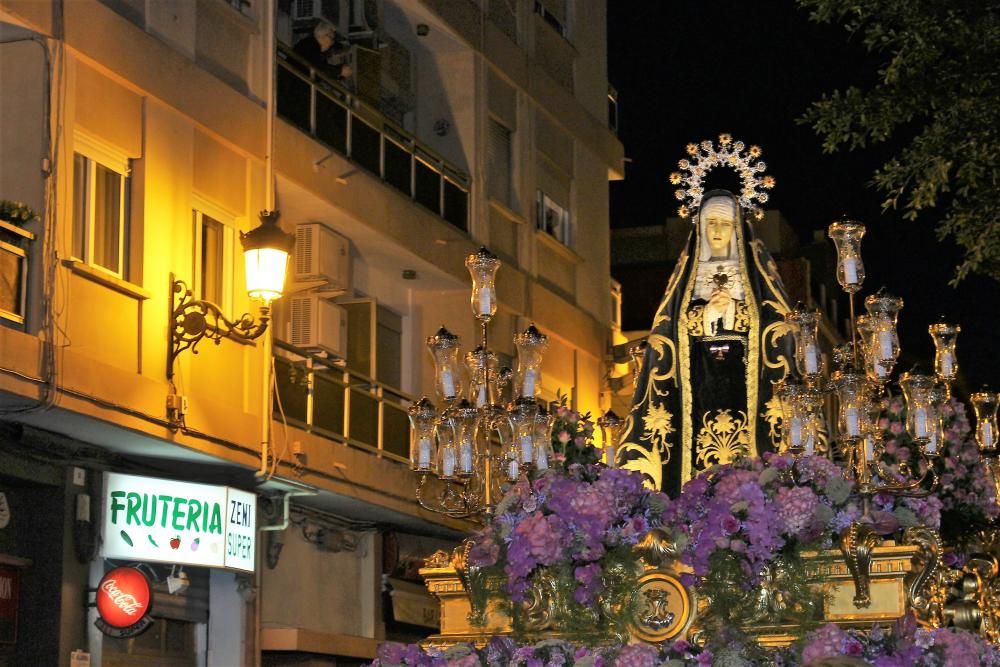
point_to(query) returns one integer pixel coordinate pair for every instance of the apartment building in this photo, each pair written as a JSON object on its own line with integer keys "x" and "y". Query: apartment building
{"x": 144, "y": 135}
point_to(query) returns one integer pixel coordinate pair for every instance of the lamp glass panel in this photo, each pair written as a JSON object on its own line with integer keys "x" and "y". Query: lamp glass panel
{"x": 265, "y": 273}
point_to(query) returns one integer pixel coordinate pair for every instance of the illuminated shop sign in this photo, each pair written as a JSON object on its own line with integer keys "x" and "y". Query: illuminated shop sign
{"x": 160, "y": 520}
{"x": 123, "y": 599}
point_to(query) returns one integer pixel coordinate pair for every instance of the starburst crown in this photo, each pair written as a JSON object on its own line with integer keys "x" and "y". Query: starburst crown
{"x": 734, "y": 155}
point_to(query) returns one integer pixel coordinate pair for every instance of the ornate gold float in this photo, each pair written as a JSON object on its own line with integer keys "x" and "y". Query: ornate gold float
{"x": 863, "y": 584}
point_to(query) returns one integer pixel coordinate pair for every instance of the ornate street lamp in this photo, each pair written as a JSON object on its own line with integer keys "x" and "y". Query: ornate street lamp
{"x": 266, "y": 251}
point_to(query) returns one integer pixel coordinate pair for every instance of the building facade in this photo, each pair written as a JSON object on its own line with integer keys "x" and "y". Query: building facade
{"x": 141, "y": 135}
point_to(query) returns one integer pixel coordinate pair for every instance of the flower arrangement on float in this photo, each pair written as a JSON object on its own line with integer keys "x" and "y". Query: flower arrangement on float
{"x": 572, "y": 435}
{"x": 904, "y": 645}
{"x": 735, "y": 526}
{"x": 575, "y": 527}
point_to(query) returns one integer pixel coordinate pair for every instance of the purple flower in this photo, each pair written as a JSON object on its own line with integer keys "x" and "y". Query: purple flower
{"x": 637, "y": 655}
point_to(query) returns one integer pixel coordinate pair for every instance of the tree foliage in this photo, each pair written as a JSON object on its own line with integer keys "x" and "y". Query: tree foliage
{"x": 938, "y": 97}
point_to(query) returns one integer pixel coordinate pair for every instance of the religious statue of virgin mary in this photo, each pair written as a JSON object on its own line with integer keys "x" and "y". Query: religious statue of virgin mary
{"x": 703, "y": 394}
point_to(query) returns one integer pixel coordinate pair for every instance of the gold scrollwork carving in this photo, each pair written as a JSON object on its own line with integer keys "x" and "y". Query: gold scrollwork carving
{"x": 857, "y": 543}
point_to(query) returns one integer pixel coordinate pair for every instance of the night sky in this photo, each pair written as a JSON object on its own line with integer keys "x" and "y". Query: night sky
{"x": 688, "y": 70}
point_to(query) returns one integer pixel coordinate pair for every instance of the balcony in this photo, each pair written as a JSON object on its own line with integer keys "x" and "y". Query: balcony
{"x": 320, "y": 397}
{"x": 339, "y": 119}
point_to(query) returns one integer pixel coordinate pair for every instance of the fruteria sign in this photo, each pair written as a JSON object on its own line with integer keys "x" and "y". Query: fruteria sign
{"x": 161, "y": 520}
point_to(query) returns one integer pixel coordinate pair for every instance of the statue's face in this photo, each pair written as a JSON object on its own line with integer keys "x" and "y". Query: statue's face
{"x": 719, "y": 227}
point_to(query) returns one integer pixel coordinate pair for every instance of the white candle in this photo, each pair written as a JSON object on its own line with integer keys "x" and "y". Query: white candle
{"x": 512, "y": 470}
{"x": 448, "y": 462}
{"x": 811, "y": 359}
{"x": 465, "y": 457}
{"x": 880, "y": 370}
{"x": 447, "y": 383}
{"x": 527, "y": 451}
{"x": 424, "y": 453}
{"x": 852, "y": 424}
{"x": 870, "y": 448}
{"x": 851, "y": 270}
{"x": 481, "y": 396}
{"x": 986, "y": 434}
{"x": 529, "y": 382}
{"x": 885, "y": 345}
{"x": 947, "y": 364}
{"x": 920, "y": 422}
{"x": 931, "y": 446}
{"x": 485, "y": 302}
{"x": 541, "y": 458}
{"x": 795, "y": 432}
{"x": 809, "y": 445}
{"x": 609, "y": 453}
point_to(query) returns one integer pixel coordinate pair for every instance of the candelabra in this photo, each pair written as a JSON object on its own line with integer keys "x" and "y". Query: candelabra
{"x": 467, "y": 450}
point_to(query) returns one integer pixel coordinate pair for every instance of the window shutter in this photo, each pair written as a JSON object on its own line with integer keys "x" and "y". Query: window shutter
{"x": 499, "y": 163}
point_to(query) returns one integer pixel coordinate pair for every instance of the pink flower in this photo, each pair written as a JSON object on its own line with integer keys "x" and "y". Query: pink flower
{"x": 896, "y": 428}
{"x": 564, "y": 437}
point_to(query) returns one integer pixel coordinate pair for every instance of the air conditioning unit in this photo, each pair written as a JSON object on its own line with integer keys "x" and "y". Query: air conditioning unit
{"x": 317, "y": 324}
{"x": 310, "y": 10}
{"x": 322, "y": 254}
{"x": 364, "y": 20}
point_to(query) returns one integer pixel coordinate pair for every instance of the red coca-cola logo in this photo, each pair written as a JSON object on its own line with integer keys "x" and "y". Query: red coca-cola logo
{"x": 123, "y": 597}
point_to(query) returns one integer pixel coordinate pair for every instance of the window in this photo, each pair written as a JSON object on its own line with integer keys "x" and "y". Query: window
{"x": 554, "y": 13}
{"x": 213, "y": 258}
{"x": 553, "y": 219}
{"x": 100, "y": 208}
{"x": 498, "y": 156}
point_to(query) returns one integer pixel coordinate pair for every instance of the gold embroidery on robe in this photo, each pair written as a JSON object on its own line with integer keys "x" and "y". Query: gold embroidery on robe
{"x": 722, "y": 439}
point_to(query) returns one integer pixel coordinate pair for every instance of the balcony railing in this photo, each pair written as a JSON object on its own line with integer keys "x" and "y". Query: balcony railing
{"x": 318, "y": 396}
{"x": 336, "y": 117}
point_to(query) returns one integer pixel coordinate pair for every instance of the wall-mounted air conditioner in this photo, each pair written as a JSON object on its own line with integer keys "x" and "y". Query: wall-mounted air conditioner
{"x": 317, "y": 324}
{"x": 322, "y": 254}
{"x": 310, "y": 10}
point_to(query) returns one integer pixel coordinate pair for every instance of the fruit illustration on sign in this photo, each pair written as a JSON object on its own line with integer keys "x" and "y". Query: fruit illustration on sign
{"x": 175, "y": 542}
{"x": 195, "y": 543}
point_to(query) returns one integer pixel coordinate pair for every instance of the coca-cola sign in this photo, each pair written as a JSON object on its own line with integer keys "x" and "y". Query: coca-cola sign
{"x": 123, "y": 599}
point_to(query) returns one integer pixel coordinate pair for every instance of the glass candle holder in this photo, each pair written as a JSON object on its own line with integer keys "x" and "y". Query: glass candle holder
{"x": 422, "y": 450}
{"x": 611, "y": 426}
{"x": 873, "y": 430}
{"x": 945, "y": 362}
{"x": 522, "y": 423}
{"x": 851, "y": 389}
{"x": 810, "y": 403}
{"x": 878, "y": 371}
{"x": 938, "y": 396}
{"x": 847, "y": 235}
{"x": 531, "y": 345}
{"x": 465, "y": 418}
{"x": 482, "y": 366}
{"x": 883, "y": 312}
{"x": 805, "y": 326}
{"x": 984, "y": 403}
{"x": 920, "y": 417}
{"x": 543, "y": 439}
{"x": 447, "y": 453}
{"x": 483, "y": 267}
{"x": 788, "y": 392}
{"x": 444, "y": 348}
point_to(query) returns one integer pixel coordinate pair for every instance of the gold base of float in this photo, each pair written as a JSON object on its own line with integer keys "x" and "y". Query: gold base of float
{"x": 864, "y": 584}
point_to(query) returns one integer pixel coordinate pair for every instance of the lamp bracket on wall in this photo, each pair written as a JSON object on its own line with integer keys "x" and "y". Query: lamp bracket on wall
{"x": 192, "y": 319}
